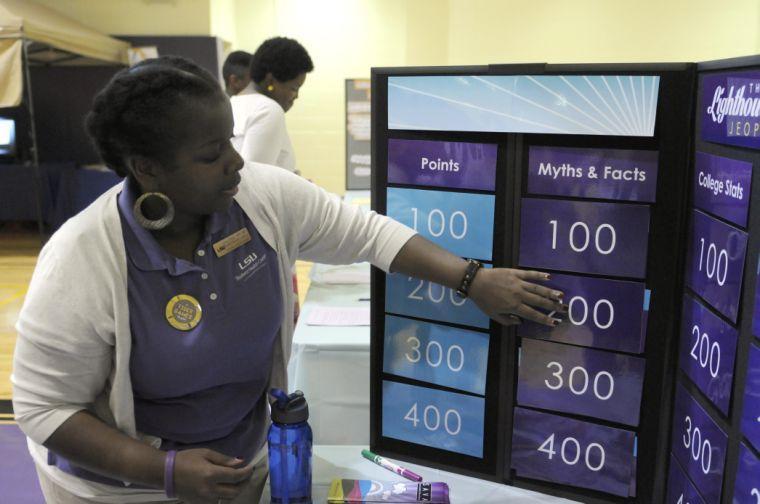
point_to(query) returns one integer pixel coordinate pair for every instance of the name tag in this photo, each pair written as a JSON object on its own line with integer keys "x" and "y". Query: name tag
{"x": 230, "y": 243}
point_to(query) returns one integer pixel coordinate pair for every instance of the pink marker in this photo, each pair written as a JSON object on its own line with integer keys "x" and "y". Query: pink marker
{"x": 387, "y": 464}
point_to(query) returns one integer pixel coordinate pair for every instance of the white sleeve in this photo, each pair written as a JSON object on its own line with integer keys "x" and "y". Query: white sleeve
{"x": 61, "y": 363}
{"x": 263, "y": 135}
{"x": 333, "y": 232}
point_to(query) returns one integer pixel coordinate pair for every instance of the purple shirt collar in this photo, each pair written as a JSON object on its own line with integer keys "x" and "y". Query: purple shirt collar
{"x": 144, "y": 250}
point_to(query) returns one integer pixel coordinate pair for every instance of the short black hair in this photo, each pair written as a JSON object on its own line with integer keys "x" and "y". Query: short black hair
{"x": 131, "y": 115}
{"x": 237, "y": 63}
{"x": 285, "y": 58}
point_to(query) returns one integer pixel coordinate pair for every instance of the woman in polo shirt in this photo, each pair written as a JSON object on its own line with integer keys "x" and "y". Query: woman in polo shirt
{"x": 158, "y": 318}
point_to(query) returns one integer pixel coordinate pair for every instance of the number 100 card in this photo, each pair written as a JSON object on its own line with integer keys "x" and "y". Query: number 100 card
{"x": 584, "y": 237}
{"x": 462, "y": 223}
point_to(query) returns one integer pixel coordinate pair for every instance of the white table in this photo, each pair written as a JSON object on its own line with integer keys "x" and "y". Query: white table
{"x": 331, "y": 366}
{"x": 330, "y": 462}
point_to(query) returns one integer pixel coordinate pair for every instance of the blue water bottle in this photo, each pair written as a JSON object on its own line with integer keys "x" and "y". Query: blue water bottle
{"x": 289, "y": 443}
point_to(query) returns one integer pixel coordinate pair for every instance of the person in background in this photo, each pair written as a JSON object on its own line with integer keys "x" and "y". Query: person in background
{"x": 159, "y": 317}
{"x": 278, "y": 70}
{"x": 235, "y": 71}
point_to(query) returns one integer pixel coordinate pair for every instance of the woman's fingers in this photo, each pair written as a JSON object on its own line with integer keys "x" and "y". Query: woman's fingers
{"x": 540, "y": 290}
{"x": 529, "y": 313}
{"x": 542, "y": 302}
{"x": 532, "y": 276}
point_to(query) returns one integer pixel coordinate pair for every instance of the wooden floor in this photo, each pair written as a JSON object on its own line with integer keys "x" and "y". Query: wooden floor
{"x": 18, "y": 255}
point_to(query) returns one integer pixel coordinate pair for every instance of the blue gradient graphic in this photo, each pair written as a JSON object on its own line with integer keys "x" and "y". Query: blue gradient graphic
{"x": 616, "y": 105}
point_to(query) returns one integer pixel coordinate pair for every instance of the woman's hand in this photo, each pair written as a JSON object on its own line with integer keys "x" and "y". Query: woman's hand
{"x": 509, "y": 295}
{"x": 205, "y": 476}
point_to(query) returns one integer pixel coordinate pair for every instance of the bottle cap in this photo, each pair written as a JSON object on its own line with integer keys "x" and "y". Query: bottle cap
{"x": 289, "y": 409}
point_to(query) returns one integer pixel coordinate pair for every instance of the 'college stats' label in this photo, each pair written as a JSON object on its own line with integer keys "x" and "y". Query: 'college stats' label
{"x": 722, "y": 187}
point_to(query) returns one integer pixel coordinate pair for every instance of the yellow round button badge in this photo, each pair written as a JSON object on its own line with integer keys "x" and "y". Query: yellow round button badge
{"x": 183, "y": 312}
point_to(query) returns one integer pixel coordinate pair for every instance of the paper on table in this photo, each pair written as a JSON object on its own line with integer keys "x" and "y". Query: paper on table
{"x": 338, "y": 316}
{"x": 357, "y": 273}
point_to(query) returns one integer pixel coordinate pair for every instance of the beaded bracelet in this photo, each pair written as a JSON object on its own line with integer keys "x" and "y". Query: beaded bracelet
{"x": 169, "y": 473}
{"x": 469, "y": 275}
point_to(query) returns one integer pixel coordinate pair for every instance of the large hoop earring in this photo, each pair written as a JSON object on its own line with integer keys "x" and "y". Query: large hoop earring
{"x": 153, "y": 225}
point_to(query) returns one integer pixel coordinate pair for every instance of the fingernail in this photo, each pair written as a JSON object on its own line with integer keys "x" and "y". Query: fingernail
{"x": 547, "y": 276}
{"x": 558, "y": 294}
{"x": 555, "y": 322}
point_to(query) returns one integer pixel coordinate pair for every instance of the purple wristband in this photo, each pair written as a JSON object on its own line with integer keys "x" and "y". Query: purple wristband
{"x": 169, "y": 473}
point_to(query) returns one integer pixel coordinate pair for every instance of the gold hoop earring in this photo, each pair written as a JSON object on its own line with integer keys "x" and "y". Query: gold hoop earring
{"x": 153, "y": 225}
{"x": 270, "y": 88}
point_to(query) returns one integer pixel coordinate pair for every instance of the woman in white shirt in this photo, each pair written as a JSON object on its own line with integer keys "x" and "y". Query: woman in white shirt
{"x": 278, "y": 70}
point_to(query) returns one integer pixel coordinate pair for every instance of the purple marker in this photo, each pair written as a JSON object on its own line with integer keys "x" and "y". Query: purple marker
{"x": 387, "y": 464}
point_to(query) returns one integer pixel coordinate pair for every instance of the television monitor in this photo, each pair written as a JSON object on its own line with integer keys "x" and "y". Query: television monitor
{"x": 7, "y": 137}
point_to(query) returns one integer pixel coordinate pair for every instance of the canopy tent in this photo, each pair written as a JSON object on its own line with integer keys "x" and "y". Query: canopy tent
{"x": 32, "y": 34}
{"x": 47, "y": 37}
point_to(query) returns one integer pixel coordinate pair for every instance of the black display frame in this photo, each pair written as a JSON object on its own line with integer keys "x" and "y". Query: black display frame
{"x": 668, "y": 225}
{"x": 731, "y": 423}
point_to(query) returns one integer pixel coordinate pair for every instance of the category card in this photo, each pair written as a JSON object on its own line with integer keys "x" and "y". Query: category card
{"x": 731, "y": 108}
{"x": 571, "y": 452}
{"x": 751, "y": 413}
{"x": 429, "y": 417}
{"x": 756, "y": 315}
{"x": 603, "y": 313}
{"x": 446, "y": 356}
{"x": 699, "y": 445}
{"x": 707, "y": 352}
{"x": 747, "y": 486}
{"x": 405, "y": 295}
{"x": 680, "y": 489}
{"x": 581, "y": 381}
{"x": 616, "y": 174}
{"x": 722, "y": 187}
{"x": 461, "y": 223}
{"x": 584, "y": 237}
{"x": 458, "y": 165}
{"x": 716, "y": 263}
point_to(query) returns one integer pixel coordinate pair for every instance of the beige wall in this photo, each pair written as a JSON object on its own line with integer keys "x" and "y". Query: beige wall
{"x": 347, "y": 37}
{"x": 139, "y": 17}
{"x": 580, "y": 31}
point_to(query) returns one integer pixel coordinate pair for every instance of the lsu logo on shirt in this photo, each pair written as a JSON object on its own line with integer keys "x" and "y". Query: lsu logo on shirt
{"x": 249, "y": 265}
